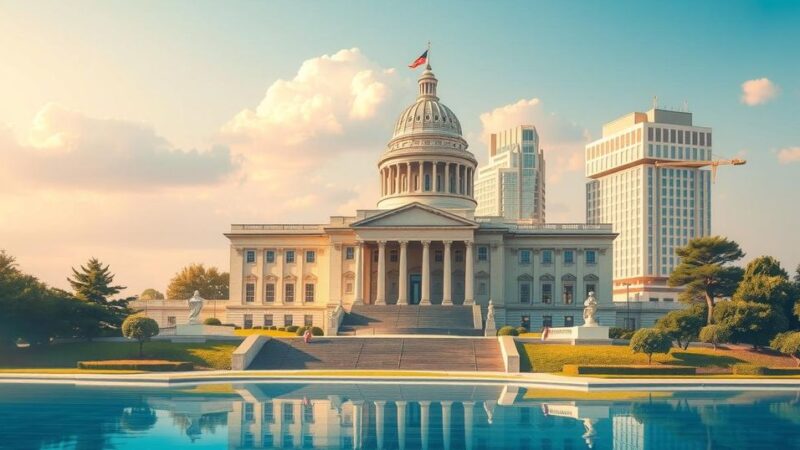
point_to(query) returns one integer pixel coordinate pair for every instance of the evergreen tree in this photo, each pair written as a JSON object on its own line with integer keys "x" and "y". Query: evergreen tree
{"x": 704, "y": 271}
{"x": 93, "y": 283}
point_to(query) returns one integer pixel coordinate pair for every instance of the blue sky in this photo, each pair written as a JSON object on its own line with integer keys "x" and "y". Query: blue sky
{"x": 183, "y": 70}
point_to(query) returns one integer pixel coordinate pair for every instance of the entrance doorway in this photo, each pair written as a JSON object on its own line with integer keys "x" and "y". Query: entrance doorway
{"x": 415, "y": 291}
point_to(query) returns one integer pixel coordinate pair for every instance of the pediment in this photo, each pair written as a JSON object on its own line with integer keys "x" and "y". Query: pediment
{"x": 415, "y": 215}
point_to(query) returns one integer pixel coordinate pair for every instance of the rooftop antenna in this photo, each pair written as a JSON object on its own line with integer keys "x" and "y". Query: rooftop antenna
{"x": 686, "y": 106}
{"x": 655, "y": 102}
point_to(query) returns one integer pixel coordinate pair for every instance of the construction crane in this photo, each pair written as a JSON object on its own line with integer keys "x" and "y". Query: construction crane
{"x": 698, "y": 164}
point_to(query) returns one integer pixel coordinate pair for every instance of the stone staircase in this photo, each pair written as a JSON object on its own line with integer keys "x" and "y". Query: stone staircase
{"x": 381, "y": 353}
{"x": 453, "y": 320}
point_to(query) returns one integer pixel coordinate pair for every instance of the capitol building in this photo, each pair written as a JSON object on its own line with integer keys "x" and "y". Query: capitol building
{"x": 422, "y": 249}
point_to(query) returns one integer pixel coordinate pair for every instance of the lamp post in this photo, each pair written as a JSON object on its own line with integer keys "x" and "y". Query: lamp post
{"x": 628, "y": 306}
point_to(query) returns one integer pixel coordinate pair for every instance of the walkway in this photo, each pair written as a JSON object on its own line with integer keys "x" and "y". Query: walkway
{"x": 413, "y": 319}
{"x": 381, "y": 353}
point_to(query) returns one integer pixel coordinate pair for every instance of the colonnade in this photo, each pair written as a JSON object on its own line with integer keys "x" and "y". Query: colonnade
{"x": 380, "y": 423}
{"x": 403, "y": 281}
{"x": 424, "y": 176}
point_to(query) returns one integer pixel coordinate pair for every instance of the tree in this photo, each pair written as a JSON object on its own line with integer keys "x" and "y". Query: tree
{"x": 704, "y": 273}
{"x": 683, "y": 326}
{"x": 789, "y": 344}
{"x": 151, "y": 294}
{"x": 140, "y": 328}
{"x": 93, "y": 283}
{"x": 649, "y": 341}
{"x": 211, "y": 283}
{"x": 765, "y": 265}
{"x": 775, "y": 291}
{"x": 750, "y": 322}
{"x": 715, "y": 334}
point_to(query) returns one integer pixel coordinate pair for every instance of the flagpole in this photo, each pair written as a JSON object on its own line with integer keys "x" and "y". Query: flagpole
{"x": 429, "y": 53}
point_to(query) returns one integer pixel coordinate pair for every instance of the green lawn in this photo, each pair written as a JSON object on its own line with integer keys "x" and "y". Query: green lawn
{"x": 551, "y": 358}
{"x": 209, "y": 355}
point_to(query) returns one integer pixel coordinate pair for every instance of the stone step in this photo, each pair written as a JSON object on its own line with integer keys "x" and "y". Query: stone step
{"x": 389, "y": 353}
{"x": 411, "y": 319}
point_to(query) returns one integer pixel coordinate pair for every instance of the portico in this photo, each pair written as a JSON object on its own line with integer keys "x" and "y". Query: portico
{"x": 426, "y": 264}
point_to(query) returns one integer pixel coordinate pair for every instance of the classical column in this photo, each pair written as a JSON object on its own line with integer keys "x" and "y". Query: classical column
{"x": 446, "y": 409}
{"x": 359, "y": 294}
{"x": 401, "y": 424}
{"x": 421, "y": 180}
{"x": 402, "y": 288}
{"x": 380, "y": 297}
{"x": 469, "y": 418}
{"x": 396, "y": 179}
{"x": 408, "y": 177}
{"x": 358, "y": 409}
{"x": 458, "y": 179}
{"x": 469, "y": 275}
{"x": 447, "y": 297}
{"x": 424, "y": 422}
{"x": 434, "y": 184}
{"x": 447, "y": 177}
{"x": 426, "y": 273}
{"x": 379, "y": 408}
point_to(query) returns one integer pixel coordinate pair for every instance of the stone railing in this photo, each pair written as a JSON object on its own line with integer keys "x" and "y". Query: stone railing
{"x": 276, "y": 227}
{"x": 335, "y": 319}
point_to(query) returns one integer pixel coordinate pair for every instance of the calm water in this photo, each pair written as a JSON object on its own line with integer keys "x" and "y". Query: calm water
{"x": 243, "y": 416}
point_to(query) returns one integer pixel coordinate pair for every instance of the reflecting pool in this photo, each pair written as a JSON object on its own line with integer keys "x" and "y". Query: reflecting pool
{"x": 391, "y": 416}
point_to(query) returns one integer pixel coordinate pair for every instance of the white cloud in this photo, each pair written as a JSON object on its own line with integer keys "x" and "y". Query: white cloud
{"x": 789, "y": 155}
{"x": 68, "y": 149}
{"x": 563, "y": 141}
{"x": 758, "y": 91}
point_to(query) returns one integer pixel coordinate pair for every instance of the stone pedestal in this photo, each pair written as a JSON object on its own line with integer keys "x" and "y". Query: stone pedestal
{"x": 597, "y": 334}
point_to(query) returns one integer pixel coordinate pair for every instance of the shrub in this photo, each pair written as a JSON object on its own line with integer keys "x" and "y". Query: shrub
{"x": 292, "y": 328}
{"x": 317, "y": 331}
{"x": 620, "y": 333}
{"x": 748, "y": 369}
{"x": 212, "y": 321}
{"x": 715, "y": 334}
{"x": 140, "y": 328}
{"x": 151, "y": 366}
{"x": 789, "y": 344}
{"x": 273, "y": 328}
{"x": 649, "y": 341}
{"x": 258, "y": 327}
{"x": 281, "y": 328}
{"x": 683, "y": 325}
{"x": 579, "y": 369}
{"x": 300, "y": 331}
{"x": 521, "y": 330}
{"x": 507, "y": 331}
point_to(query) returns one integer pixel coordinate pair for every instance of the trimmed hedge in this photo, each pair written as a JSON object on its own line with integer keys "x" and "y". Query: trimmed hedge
{"x": 507, "y": 331}
{"x": 578, "y": 369}
{"x": 212, "y": 321}
{"x": 752, "y": 369}
{"x": 150, "y": 366}
{"x": 292, "y": 328}
{"x": 620, "y": 333}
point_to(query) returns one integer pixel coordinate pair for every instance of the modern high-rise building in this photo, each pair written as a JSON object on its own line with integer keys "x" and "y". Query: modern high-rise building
{"x": 511, "y": 185}
{"x": 638, "y": 184}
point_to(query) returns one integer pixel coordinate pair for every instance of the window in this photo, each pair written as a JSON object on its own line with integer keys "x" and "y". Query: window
{"x": 525, "y": 257}
{"x": 247, "y": 439}
{"x": 547, "y": 293}
{"x": 269, "y": 256}
{"x": 308, "y": 411}
{"x": 569, "y": 321}
{"x": 268, "y": 320}
{"x": 288, "y": 413}
{"x": 590, "y": 287}
{"x": 427, "y": 182}
{"x": 268, "y": 441}
{"x": 547, "y": 257}
{"x": 482, "y": 288}
{"x": 348, "y": 287}
{"x": 547, "y": 321}
{"x": 308, "y": 320}
{"x": 375, "y": 255}
{"x": 668, "y": 299}
{"x": 248, "y": 321}
{"x": 288, "y": 293}
{"x": 288, "y": 320}
{"x": 459, "y": 256}
{"x": 269, "y": 415}
{"x": 349, "y": 253}
{"x": 569, "y": 294}
{"x": 525, "y": 322}
{"x": 393, "y": 255}
{"x": 269, "y": 293}
{"x": 249, "y": 292}
{"x": 250, "y": 256}
{"x": 171, "y": 321}
{"x": 289, "y": 256}
{"x": 308, "y": 440}
{"x": 438, "y": 256}
{"x": 309, "y": 297}
{"x": 630, "y": 323}
{"x": 524, "y": 292}
{"x": 483, "y": 253}
{"x": 311, "y": 256}
{"x": 569, "y": 256}
{"x": 288, "y": 439}
{"x": 591, "y": 257}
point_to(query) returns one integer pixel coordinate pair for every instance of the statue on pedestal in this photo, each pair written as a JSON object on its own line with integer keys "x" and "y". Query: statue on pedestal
{"x": 590, "y": 311}
{"x": 195, "y": 306}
